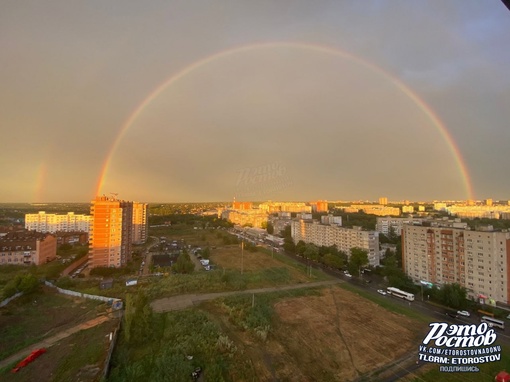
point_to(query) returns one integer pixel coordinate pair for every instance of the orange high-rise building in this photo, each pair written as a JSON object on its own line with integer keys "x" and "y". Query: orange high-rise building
{"x": 110, "y": 232}
{"x": 320, "y": 206}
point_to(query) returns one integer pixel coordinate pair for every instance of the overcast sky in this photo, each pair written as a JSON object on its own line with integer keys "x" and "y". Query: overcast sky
{"x": 280, "y": 100}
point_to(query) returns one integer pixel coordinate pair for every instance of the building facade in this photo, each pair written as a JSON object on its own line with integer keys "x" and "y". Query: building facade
{"x": 140, "y": 223}
{"x": 477, "y": 260}
{"x": 373, "y": 209}
{"x": 43, "y": 222}
{"x": 110, "y": 238}
{"x": 387, "y": 224}
{"x": 27, "y": 247}
{"x": 274, "y": 207}
{"x": 311, "y": 231}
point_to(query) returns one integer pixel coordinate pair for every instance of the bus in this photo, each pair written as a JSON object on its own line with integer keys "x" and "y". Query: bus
{"x": 400, "y": 293}
{"x": 493, "y": 322}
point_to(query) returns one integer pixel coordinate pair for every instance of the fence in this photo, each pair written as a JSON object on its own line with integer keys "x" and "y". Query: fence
{"x": 116, "y": 303}
{"x": 8, "y": 300}
{"x": 113, "y": 342}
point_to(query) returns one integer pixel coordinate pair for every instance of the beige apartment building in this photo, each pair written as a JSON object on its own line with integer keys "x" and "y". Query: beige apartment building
{"x": 273, "y": 207}
{"x": 43, "y": 222}
{"x": 254, "y": 218}
{"x": 477, "y": 260}
{"x": 140, "y": 223}
{"x": 373, "y": 209}
{"x": 387, "y": 223}
{"x": 311, "y": 231}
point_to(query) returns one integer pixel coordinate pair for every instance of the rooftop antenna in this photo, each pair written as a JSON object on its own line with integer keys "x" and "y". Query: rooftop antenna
{"x": 114, "y": 195}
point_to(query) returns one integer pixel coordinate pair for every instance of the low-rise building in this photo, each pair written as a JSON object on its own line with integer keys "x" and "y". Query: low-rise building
{"x": 27, "y": 247}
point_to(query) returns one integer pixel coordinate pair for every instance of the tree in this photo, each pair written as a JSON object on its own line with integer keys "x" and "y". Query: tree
{"x": 270, "y": 228}
{"x": 300, "y": 248}
{"x": 453, "y": 295}
{"x": 183, "y": 264}
{"x": 333, "y": 261}
{"x": 288, "y": 245}
{"x": 358, "y": 259}
{"x": 392, "y": 235}
{"x": 206, "y": 253}
{"x": 26, "y": 283}
{"x": 311, "y": 252}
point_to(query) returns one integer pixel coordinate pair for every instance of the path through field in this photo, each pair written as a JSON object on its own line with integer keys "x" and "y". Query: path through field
{"x": 53, "y": 339}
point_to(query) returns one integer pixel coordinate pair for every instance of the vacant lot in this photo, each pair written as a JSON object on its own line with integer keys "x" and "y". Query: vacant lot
{"x": 79, "y": 357}
{"x": 231, "y": 257}
{"x": 333, "y": 336}
{"x": 29, "y": 319}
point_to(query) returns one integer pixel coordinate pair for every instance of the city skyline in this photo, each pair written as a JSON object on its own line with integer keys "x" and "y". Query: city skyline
{"x": 178, "y": 102}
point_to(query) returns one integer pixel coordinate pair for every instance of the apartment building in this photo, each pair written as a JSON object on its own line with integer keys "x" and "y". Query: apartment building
{"x": 111, "y": 230}
{"x": 311, "y": 231}
{"x": 319, "y": 206}
{"x": 373, "y": 209}
{"x": 43, "y": 222}
{"x": 273, "y": 207}
{"x": 254, "y": 218}
{"x": 27, "y": 247}
{"x": 477, "y": 260}
{"x": 140, "y": 223}
{"x": 387, "y": 223}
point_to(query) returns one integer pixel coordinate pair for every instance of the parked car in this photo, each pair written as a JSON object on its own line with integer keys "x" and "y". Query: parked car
{"x": 452, "y": 314}
{"x": 464, "y": 313}
{"x": 380, "y": 291}
{"x": 348, "y": 275}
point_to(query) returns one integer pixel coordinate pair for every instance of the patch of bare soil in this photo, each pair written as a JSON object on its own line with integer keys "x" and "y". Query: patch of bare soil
{"x": 337, "y": 336}
{"x": 41, "y": 315}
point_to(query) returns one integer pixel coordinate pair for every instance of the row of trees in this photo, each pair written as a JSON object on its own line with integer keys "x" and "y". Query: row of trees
{"x": 331, "y": 256}
{"x": 26, "y": 283}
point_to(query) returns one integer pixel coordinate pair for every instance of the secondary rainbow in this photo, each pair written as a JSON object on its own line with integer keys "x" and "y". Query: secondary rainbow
{"x": 312, "y": 47}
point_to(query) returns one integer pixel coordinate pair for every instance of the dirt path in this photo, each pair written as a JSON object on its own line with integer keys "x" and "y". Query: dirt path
{"x": 52, "y": 340}
{"x": 185, "y": 301}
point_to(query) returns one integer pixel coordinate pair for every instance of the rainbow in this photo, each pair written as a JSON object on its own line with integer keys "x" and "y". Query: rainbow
{"x": 311, "y": 47}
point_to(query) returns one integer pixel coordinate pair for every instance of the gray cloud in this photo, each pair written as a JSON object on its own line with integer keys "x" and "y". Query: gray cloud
{"x": 73, "y": 73}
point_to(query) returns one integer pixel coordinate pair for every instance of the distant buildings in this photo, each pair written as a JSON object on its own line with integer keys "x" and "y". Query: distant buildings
{"x": 319, "y": 206}
{"x": 445, "y": 253}
{"x": 27, "y": 247}
{"x": 43, "y": 222}
{"x": 387, "y": 224}
{"x": 374, "y": 209}
{"x": 311, "y": 231}
{"x": 254, "y": 218}
{"x": 273, "y": 207}
{"x": 383, "y": 201}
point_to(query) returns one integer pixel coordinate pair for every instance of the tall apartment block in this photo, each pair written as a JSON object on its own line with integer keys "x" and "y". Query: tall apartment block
{"x": 311, "y": 231}
{"x": 111, "y": 232}
{"x": 477, "y": 260}
{"x": 140, "y": 223}
{"x": 52, "y": 223}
